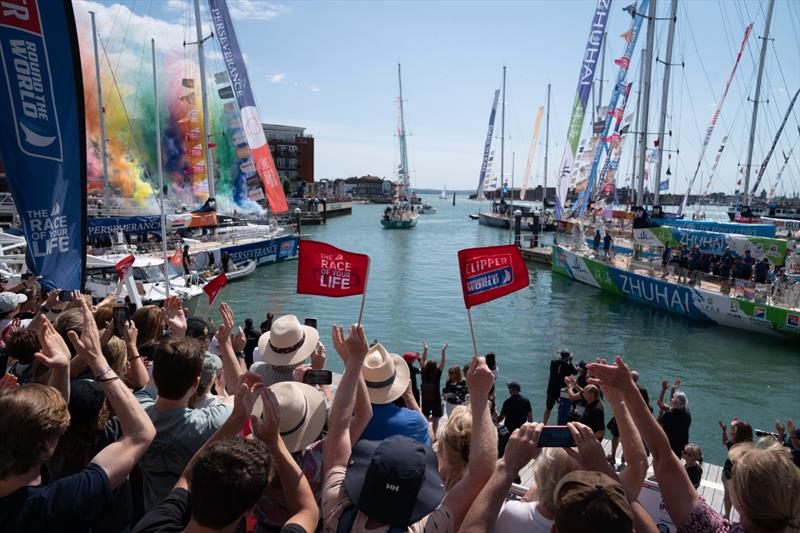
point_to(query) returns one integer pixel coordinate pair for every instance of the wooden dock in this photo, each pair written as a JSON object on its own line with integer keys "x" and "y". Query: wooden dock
{"x": 539, "y": 254}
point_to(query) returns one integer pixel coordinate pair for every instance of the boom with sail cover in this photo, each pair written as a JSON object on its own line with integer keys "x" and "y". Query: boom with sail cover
{"x": 531, "y": 154}
{"x": 251, "y": 122}
{"x": 487, "y": 146}
{"x": 713, "y": 121}
{"x": 620, "y": 89}
{"x": 774, "y": 143}
{"x": 585, "y": 78}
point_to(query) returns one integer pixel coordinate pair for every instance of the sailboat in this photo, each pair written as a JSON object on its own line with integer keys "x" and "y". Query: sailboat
{"x": 443, "y": 196}
{"x": 401, "y": 215}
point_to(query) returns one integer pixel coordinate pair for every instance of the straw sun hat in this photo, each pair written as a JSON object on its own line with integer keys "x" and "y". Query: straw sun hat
{"x": 302, "y": 411}
{"x": 288, "y": 342}
{"x": 386, "y": 375}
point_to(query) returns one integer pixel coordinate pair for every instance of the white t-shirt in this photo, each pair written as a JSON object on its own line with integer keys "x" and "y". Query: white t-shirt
{"x": 521, "y": 516}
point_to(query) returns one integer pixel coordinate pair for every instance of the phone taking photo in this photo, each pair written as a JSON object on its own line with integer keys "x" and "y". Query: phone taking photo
{"x": 120, "y": 315}
{"x": 310, "y": 321}
{"x": 318, "y": 377}
{"x": 556, "y": 437}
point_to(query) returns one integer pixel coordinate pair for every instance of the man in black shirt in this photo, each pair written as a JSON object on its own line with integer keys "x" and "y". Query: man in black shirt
{"x": 594, "y": 415}
{"x": 516, "y": 409}
{"x": 559, "y": 369}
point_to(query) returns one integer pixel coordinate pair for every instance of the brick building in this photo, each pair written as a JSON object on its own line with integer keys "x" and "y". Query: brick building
{"x": 293, "y": 153}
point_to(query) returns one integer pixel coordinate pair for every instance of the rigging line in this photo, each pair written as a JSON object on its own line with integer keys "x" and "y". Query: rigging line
{"x": 139, "y": 70}
{"x": 125, "y": 35}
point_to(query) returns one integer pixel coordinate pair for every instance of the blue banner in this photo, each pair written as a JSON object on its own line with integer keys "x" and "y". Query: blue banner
{"x": 140, "y": 225}
{"x": 42, "y": 135}
{"x": 631, "y": 36}
{"x": 487, "y": 147}
{"x": 755, "y": 230}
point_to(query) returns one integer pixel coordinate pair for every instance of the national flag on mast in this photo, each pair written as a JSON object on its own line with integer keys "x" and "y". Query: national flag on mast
{"x": 124, "y": 265}
{"x": 325, "y": 270}
{"x": 213, "y": 287}
{"x": 491, "y": 272}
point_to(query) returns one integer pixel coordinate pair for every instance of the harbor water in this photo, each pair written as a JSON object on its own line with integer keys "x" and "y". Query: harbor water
{"x": 414, "y": 294}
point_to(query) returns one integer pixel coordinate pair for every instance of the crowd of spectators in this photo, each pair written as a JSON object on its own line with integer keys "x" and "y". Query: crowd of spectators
{"x": 170, "y": 423}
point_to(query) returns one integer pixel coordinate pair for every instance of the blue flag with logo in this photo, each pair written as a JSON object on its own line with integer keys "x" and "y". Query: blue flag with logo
{"x": 42, "y": 135}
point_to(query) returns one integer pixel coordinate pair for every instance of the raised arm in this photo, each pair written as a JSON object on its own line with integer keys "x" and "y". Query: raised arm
{"x": 119, "y": 458}
{"x": 679, "y": 495}
{"x": 724, "y": 429}
{"x": 337, "y": 447}
{"x": 299, "y": 496}
{"x": 318, "y": 358}
{"x": 175, "y": 317}
{"x": 634, "y": 474}
{"x": 247, "y": 392}
{"x": 137, "y": 373}
{"x": 573, "y": 390}
{"x": 661, "y": 405}
{"x": 443, "y": 359}
{"x": 54, "y": 354}
{"x": 522, "y": 447}
{"x": 229, "y": 363}
{"x": 424, "y": 357}
{"x": 482, "y": 445}
{"x": 362, "y": 412}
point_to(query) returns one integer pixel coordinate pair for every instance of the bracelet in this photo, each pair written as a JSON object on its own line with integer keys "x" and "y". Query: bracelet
{"x": 133, "y": 358}
{"x": 112, "y": 378}
{"x": 240, "y": 355}
{"x": 103, "y": 372}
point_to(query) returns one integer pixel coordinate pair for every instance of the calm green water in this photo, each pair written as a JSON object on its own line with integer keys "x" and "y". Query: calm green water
{"x": 414, "y": 294}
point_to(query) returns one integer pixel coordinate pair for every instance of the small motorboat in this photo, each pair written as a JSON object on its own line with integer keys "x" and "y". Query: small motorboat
{"x": 241, "y": 269}
{"x": 474, "y": 216}
{"x": 427, "y": 209}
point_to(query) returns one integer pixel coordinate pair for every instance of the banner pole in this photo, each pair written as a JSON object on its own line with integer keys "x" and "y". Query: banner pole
{"x": 364, "y": 294}
{"x": 472, "y": 332}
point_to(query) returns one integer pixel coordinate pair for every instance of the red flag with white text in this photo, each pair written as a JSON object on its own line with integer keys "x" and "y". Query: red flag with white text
{"x": 325, "y": 270}
{"x": 213, "y": 287}
{"x": 124, "y": 266}
{"x": 491, "y": 272}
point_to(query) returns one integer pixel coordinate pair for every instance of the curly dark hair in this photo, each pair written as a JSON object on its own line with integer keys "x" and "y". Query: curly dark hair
{"x": 228, "y": 479}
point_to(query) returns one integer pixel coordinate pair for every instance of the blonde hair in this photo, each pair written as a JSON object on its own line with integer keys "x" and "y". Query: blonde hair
{"x": 548, "y": 469}
{"x": 765, "y": 487}
{"x": 116, "y": 353}
{"x": 454, "y": 438}
{"x": 457, "y": 374}
{"x": 694, "y": 451}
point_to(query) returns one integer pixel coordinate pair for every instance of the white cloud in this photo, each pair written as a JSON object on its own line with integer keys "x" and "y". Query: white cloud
{"x": 314, "y": 88}
{"x": 256, "y": 10}
{"x": 277, "y": 78}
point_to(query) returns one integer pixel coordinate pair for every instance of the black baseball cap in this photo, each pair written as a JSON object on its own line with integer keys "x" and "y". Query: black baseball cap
{"x": 197, "y": 328}
{"x": 395, "y": 481}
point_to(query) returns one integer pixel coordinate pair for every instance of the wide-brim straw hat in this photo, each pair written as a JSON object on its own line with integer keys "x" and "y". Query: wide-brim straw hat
{"x": 302, "y": 411}
{"x": 386, "y": 374}
{"x": 288, "y": 342}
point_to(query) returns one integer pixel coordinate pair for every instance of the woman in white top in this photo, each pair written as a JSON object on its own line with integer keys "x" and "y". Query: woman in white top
{"x": 535, "y": 513}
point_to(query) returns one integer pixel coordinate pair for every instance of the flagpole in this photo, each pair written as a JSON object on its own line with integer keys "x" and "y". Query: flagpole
{"x": 472, "y": 332}
{"x": 363, "y": 295}
{"x": 160, "y": 171}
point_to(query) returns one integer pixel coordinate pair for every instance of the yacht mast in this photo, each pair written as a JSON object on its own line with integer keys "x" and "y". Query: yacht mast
{"x": 664, "y": 100}
{"x": 402, "y": 137}
{"x": 102, "y": 117}
{"x": 648, "y": 70}
{"x": 161, "y": 192}
{"x": 206, "y": 132}
{"x": 503, "y": 136}
{"x": 546, "y": 144}
{"x": 749, "y": 163}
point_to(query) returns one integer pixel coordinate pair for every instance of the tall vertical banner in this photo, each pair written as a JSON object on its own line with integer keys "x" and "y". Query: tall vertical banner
{"x": 620, "y": 89}
{"x": 531, "y": 154}
{"x": 716, "y": 164}
{"x": 713, "y": 121}
{"x": 585, "y": 79}
{"x": 251, "y": 122}
{"x": 43, "y": 137}
{"x": 774, "y": 144}
{"x": 487, "y": 147}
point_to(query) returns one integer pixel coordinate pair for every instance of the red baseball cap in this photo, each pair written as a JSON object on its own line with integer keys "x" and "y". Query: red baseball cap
{"x": 410, "y": 356}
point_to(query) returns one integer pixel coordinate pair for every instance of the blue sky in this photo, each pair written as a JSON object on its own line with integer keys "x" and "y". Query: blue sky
{"x": 331, "y": 67}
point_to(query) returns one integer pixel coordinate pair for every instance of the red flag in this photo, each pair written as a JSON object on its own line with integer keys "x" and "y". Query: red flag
{"x": 623, "y": 62}
{"x": 177, "y": 258}
{"x": 124, "y": 265}
{"x": 213, "y": 287}
{"x": 491, "y": 272}
{"x": 328, "y": 271}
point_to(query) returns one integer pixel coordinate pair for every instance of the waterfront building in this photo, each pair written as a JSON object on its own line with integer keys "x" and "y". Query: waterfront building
{"x": 293, "y": 153}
